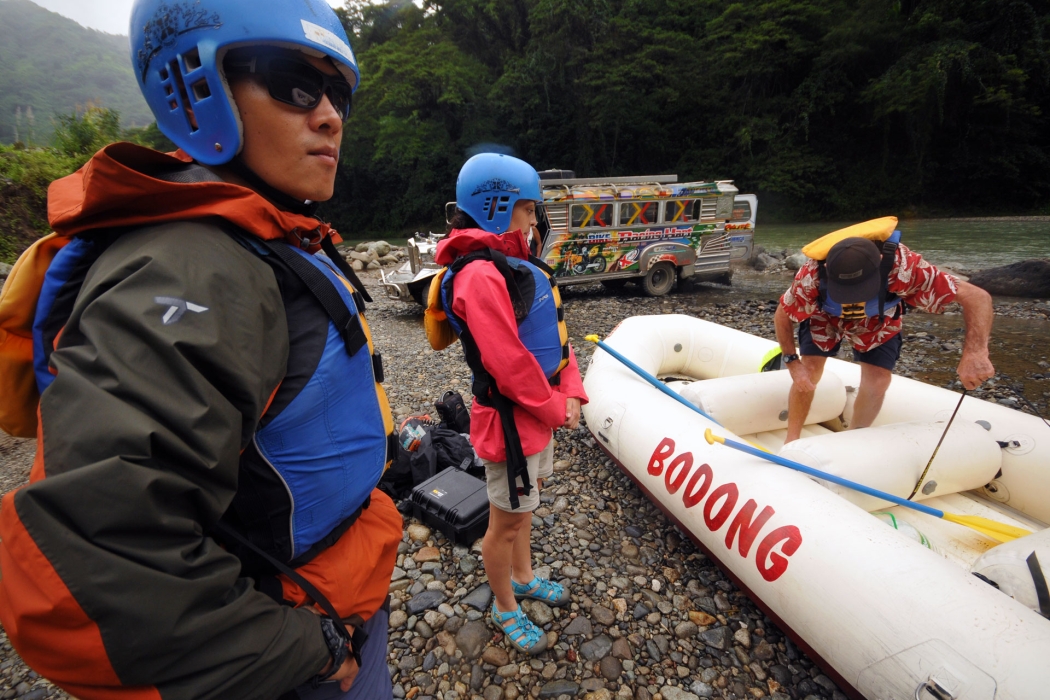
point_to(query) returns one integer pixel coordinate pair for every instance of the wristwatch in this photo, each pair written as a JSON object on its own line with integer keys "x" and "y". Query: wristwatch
{"x": 788, "y": 359}
{"x": 337, "y": 647}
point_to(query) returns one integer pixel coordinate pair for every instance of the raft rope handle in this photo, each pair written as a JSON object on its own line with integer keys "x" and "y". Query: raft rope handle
{"x": 933, "y": 688}
{"x": 1028, "y": 403}
{"x": 934, "y": 455}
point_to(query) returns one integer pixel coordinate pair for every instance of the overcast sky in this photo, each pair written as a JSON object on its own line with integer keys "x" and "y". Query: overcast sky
{"x": 105, "y": 15}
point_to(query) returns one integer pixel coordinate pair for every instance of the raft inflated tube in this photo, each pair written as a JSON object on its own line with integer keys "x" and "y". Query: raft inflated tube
{"x": 891, "y": 458}
{"x": 755, "y": 403}
{"x": 1018, "y": 574}
{"x": 874, "y": 230}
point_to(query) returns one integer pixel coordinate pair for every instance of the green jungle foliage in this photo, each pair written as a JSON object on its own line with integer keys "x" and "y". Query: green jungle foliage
{"x": 826, "y": 108}
{"x": 50, "y": 65}
{"x": 26, "y": 173}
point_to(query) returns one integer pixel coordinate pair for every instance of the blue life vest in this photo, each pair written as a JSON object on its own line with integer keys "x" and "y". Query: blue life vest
{"x": 329, "y": 445}
{"x": 537, "y": 302}
{"x": 877, "y": 306}
{"x": 322, "y": 445}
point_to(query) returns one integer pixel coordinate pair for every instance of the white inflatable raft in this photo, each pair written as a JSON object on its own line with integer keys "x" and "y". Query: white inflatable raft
{"x": 891, "y": 614}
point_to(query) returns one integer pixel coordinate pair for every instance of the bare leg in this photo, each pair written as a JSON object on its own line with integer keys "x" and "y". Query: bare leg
{"x": 874, "y": 381}
{"x": 800, "y": 400}
{"x": 521, "y": 558}
{"x": 498, "y": 549}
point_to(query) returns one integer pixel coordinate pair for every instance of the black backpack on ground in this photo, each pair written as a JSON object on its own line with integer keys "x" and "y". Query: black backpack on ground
{"x": 453, "y": 412}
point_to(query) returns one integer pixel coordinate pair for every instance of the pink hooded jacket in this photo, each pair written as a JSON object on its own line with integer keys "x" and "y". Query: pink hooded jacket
{"x": 482, "y": 301}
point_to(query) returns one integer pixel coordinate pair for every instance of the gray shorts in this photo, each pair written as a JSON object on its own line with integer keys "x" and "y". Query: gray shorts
{"x": 541, "y": 466}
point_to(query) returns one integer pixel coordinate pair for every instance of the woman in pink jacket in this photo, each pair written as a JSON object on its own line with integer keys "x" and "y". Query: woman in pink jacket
{"x": 526, "y": 380}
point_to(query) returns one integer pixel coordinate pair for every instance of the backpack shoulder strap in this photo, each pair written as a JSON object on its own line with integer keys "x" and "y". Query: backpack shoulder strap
{"x": 348, "y": 324}
{"x": 889, "y": 257}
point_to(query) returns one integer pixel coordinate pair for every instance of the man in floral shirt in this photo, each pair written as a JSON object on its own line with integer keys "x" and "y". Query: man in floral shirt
{"x": 826, "y": 318}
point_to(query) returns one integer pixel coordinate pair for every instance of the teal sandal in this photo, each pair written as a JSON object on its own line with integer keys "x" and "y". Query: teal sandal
{"x": 543, "y": 590}
{"x": 523, "y": 635}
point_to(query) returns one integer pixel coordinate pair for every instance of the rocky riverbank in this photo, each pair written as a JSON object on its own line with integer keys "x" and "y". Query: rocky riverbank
{"x": 651, "y": 617}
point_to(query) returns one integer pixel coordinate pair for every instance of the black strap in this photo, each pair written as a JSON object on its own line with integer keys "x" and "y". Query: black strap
{"x": 347, "y": 323}
{"x": 498, "y": 259}
{"x": 487, "y": 393}
{"x": 356, "y": 640}
{"x": 889, "y": 257}
{"x": 330, "y": 250}
{"x": 1042, "y": 593}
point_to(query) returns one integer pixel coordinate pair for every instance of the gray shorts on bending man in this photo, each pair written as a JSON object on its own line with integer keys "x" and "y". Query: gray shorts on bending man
{"x": 541, "y": 466}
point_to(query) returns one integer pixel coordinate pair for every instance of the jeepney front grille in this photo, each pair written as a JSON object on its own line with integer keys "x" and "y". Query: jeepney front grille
{"x": 708, "y": 208}
{"x": 715, "y": 245}
{"x": 558, "y": 216}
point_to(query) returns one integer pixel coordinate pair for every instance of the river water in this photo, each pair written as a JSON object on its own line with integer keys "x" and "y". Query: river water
{"x": 969, "y": 244}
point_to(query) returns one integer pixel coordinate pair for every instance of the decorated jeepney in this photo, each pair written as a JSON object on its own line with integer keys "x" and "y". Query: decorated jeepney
{"x": 650, "y": 229}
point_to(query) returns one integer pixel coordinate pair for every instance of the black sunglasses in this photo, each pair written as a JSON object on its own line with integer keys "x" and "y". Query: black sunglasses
{"x": 296, "y": 82}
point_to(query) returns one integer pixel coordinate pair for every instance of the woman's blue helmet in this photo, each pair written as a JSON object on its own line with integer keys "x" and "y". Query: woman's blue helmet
{"x": 177, "y": 47}
{"x": 490, "y": 184}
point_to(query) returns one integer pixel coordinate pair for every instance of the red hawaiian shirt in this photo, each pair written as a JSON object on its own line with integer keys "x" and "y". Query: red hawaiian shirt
{"x": 913, "y": 279}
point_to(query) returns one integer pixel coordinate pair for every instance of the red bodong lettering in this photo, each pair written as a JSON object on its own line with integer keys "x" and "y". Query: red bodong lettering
{"x": 730, "y": 491}
{"x": 693, "y": 495}
{"x": 747, "y": 527}
{"x": 675, "y": 475}
{"x": 664, "y": 450}
{"x": 791, "y": 537}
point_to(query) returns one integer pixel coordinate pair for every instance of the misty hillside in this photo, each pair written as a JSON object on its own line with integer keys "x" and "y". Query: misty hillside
{"x": 52, "y": 64}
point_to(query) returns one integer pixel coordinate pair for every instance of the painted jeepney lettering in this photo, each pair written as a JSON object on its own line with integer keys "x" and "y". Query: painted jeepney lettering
{"x": 732, "y": 493}
{"x": 778, "y": 563}
{"x": 692, "y": 495}
{"x": 747, "y": 527}
{"x": 675, "y": 475}
{"x": 664, "y": 450}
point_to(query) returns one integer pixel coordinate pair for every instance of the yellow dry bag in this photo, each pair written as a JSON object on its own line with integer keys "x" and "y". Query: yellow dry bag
{"x": 877, "y": 230}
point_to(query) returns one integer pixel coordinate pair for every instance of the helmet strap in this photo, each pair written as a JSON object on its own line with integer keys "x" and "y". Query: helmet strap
{"x": 281, "y": 199}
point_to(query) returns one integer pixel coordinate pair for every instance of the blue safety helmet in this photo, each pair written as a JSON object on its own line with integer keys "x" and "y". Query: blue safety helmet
{"x": 177, "y": 47}
{"x": 490, "y": 184}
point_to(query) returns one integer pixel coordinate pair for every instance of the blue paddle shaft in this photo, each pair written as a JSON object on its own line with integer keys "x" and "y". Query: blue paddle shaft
{"x": 654, "y": 381}
{"x": 768, "y": 456}
{"x": 834, "y": 479}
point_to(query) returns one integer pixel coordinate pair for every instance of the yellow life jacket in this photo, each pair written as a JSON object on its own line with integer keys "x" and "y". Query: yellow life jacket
{"x": 877, "y": 230}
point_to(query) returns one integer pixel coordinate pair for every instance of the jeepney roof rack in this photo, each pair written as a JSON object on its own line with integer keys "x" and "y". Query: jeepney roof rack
{"x": 598, "y": 181}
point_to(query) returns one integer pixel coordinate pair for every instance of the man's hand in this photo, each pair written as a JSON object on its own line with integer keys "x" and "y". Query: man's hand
{"x": 346, "y": 674}
{"x": 974, "y": 369}
{"x": 348, "y": 671}
{"x": 800, "y": 376}
{"x": 572, "y": 413}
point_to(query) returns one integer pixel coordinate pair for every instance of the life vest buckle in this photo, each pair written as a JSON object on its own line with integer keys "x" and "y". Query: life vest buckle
{"x": 853, "y": 312}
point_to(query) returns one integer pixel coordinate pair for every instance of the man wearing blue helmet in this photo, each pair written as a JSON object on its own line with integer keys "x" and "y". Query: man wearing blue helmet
{"x": 505, "y": 308}
{"x": 202, "y": 520}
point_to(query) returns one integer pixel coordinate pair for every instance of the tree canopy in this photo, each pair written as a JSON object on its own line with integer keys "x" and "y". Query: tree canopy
{"x": 50, "y": 65}
{"x": 826, "y": 108}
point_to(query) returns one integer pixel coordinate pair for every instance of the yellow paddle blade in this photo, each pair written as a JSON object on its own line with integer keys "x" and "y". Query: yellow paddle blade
{"x": 990, "y": 528}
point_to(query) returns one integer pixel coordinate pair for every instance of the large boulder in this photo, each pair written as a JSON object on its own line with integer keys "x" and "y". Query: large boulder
{"x": 764, "y": 261}
{"x": 1028, "y": 278}
{"x": 795, "y": 261}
